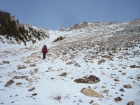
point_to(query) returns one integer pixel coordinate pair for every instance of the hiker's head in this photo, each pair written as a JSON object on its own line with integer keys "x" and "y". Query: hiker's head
{"x": 45, "y": 46}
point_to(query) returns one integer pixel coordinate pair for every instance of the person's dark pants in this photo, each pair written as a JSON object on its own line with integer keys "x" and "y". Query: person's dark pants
{"x": 44, "y": 55}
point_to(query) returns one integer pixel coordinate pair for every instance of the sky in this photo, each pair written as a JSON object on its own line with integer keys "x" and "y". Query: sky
{"x": 57, "y": 14}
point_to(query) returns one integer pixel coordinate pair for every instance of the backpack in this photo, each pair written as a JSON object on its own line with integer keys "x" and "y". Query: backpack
{"x": 45, "y": 48}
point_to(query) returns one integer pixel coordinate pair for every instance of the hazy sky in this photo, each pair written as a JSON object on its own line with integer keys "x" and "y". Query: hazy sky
{"x": 56, "y": 14}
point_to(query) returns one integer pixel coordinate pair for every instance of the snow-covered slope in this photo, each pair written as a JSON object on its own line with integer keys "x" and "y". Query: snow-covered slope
{"x": 109, "y": 51}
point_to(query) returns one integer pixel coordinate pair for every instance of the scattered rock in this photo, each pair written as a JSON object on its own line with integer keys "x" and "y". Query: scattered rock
{"x": 127, "y": 86}
{"x": 131, "y": 103}
{"x": 95, "y": 104}
{"x": 89, "y": 92}
{"x": 124, "y": 73}
{"x": 132, "y": 66}
{"x": 36, "y": 70}
{"x": 63, "y": 74}
{"x": 77, "y": 64}
{"x": 122, "y": 90}
{"x": 38, "y": 56}
{"x": 18, "y": 83}
{"x": 52, "y": 78}
{"x": 34, "y": 94}
{"x": 101, "y": 61}
{"x": 72, "y": 77}
{"x": 105, "y": 91}
{"x": 130, "y": 77}
{"x": 31, "y": 89}
{"x": 122, "y": 95}
{"x": 20, "y": 77}
{"x": 118, "y": 99}
{"x": 6, "y": 62}
{"x": 69, "y": 63}
{"x": 116, "y": 93}
{"x": 21, "y": 67}
{"x": 116, "y": 79}
{"x": 91, "y": 102}
{"x": 80, "y": 100}
{"x": 138, "y": 76}
{"x": 33, "y": 65}
{"x": 10, "y": 82}
{"x": 91, "y": 79}
{"x": 103, "y": 87}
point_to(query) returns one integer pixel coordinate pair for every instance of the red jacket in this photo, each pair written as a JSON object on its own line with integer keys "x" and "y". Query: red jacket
{"x": 43, "y": 50}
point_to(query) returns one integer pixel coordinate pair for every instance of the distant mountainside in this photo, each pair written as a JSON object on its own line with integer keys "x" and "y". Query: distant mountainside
{"x": 13, "y": 30}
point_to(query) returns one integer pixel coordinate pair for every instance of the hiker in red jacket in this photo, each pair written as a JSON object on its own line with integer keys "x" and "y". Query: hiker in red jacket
{"x": 44, "y": 51}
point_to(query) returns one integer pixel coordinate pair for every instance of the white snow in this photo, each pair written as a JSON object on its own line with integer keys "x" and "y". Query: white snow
{"x": 48, "y": 85}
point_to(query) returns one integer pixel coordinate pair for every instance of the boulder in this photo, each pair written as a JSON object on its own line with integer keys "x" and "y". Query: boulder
{"x": 31, "y": 89}
{"x": 127, "y": 86}
{"x": 10, "y": 82}
{"x": 91, "y": 79}
{"x": 131, "y": 103}
{"x": 32, "y": 65}
{"x": 20, "y": 77}
{"x": 18, "y": 83}
{"x": 132, "y": 66}
{"x": 34, "y": 94}
{"x": 118, "y": 99}
{"x": 138, "y": 76}
{"x": 6, "y": 62}
{"x": 89, "y": 92}
{"x": 63, "y": 74}
{"x": 21, "y": 67}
